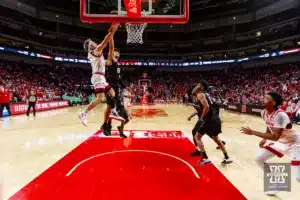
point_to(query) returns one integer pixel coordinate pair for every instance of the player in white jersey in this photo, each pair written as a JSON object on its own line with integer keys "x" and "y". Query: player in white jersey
{"x": 279, "y": 138}
{"x": 98, "y": 63}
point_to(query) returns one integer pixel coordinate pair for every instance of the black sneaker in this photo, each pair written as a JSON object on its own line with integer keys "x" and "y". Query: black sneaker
{"x": 196, "y": 153}
{"x": 106, "y": 129}
{"x": 223, "y": 143}
{"x": 122, "y": 135}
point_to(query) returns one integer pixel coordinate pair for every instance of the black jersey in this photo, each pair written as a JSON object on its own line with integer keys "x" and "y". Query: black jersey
{"x": 113, "y": 73}
{"x": 213, "y": 108}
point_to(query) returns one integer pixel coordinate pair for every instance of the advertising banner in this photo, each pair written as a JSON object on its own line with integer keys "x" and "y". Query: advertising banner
{"x": 21, "y": 108}
{"x": 234, "y": 107}
{"x": 254, "y": 109}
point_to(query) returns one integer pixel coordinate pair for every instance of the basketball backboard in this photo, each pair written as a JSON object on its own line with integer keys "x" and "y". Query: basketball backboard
{"x": 146, "y": 11}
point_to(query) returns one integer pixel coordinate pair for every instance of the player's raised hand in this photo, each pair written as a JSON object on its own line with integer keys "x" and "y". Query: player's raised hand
{"x": 247, "y": 131}
{"x": 114, "y": 27}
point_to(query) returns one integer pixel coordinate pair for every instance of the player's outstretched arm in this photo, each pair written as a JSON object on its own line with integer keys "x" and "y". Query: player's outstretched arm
{"x": 107, "y": 38}
{"x": 111, "y": 57}
{"x": 192, "y": 115}
{"x": 274, "y": 136}
{"x": 192, "y": 104}
{"x": 263, "y": 141}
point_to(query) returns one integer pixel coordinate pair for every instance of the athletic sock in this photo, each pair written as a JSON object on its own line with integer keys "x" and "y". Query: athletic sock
{"x": 204, "y": 156}
{"x": 226, "y": 156}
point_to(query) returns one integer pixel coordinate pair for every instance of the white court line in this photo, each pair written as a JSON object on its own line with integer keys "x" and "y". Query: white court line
{"x": 124, "y": 151}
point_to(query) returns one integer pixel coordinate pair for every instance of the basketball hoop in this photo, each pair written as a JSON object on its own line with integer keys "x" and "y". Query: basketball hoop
{"x": 135, "y": 32}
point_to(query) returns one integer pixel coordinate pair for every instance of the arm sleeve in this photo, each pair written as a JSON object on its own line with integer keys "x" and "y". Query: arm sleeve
{"x": 281, "y": 120}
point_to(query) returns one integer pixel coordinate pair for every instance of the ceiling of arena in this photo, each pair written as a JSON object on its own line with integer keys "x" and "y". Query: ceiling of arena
{"x": 203, "y": 9}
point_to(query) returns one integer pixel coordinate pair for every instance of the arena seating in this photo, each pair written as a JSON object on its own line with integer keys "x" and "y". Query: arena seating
{"x": 235, "y": 85}
{"x": 49, "y": 83}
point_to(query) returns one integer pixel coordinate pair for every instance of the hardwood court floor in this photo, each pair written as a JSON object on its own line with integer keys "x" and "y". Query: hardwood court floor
{"x": 28, "y": 147}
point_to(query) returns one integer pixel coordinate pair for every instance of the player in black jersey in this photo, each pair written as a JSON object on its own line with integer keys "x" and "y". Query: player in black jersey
{"x": 114, "y": 78}
{"x": 209, "y": 122}
{"x": 192, "y": 102}
{"x": 198, "y": 112}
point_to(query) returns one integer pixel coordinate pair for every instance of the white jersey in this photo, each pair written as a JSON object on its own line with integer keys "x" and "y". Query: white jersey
{"x": 279, "y": 119}
{"x": 97, "y": 63}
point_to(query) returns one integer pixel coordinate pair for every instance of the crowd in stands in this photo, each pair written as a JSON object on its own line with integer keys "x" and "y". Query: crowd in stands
{"x": 48, "y": 83}
{"x": 246, "y": 86}
{"x": 235, "y": 85}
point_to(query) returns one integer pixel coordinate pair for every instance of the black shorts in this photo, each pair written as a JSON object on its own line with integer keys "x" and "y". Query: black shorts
{"x": 115, "y": 87}
{"x": 119, "y": 103}
{"x": 210, "y": 126}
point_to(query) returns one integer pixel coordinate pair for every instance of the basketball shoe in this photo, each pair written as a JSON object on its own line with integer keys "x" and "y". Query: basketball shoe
{"x": 114, "y": 115}
{"x": 204, "y": 161}
{"x": 82, "y": 118}
{"x": 122, "y": 135}
{"x": 106, "y": 128}
{"x": 227, "y": 161}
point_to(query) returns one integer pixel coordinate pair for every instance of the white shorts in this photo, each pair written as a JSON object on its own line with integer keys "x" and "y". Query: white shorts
{"x": 99, "y": 83}
{"x": 280, "y": 149}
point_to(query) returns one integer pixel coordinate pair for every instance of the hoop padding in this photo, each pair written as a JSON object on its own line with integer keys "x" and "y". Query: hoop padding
{"x": 135, "y": 32}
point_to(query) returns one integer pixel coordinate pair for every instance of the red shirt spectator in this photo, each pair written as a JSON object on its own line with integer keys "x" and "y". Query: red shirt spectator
{"x": 284, "y": 106}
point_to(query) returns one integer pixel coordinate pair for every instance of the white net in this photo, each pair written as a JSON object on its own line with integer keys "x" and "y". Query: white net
{"x": 135, "y": 32}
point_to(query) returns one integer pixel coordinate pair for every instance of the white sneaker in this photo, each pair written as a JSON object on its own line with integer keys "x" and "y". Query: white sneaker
{"x": 114, "y": 115}
{"x": 271, "y": 193}
{"x": 204, "y": 161}
{"x": 227, "y": 161}
{"x": 82, "y": 117}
